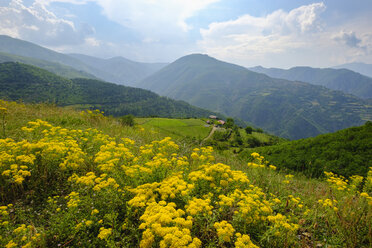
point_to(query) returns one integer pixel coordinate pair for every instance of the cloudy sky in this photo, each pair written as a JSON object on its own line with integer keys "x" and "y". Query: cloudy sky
{"x": 271, "y": 33}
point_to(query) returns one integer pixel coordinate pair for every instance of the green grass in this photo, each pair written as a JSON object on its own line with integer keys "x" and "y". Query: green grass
{"x": 176, "y": 128}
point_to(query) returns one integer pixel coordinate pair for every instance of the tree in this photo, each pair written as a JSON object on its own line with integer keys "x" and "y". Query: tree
{"x": 230, "y": 122}
{"x": 259, "y": 130}
{"x": 249, "y": 130}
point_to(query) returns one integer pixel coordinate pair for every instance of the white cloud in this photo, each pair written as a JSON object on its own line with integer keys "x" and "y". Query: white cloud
{"x": 92, "y": 42}
{"x": 153, "y": 19}
{"x": 145, "y": 15}
{"x": 36, "y": 23}
{"x": 251, "y": 40}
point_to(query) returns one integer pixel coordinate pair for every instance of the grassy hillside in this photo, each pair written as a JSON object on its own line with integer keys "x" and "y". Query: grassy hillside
{"x": 288, "y": 109}
{"x": 32, "y": 84}
{"x": 197, "y": 131}
{"x": 71, "y": 179}
{"x": 336, "y": 79}
{"x": 346, "y": 152}
{"x": 56, "y": 68}
{"x": 176, "y": 128}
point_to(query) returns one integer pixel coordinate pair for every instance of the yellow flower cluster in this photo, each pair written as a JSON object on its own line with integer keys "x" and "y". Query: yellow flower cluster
{"x": 73, "y": 199}
{"x": 14, "y": 164}
{"x": 199, "y": 206}
{"x": 224, "y": 231}
{"x": 218, "y": 175}
{"x": 167, "y": 189}
{"x": 336, "y": 181}
{"x": 165, "y": 146}
{"x": 259, "y": 162}
{"x": 165, "y": 221}
{"x": 252, "y": 205}
{"x": 96, "y": 183}
{"x": 281, "y": 224}
{"x": 244, "y": 241}
{"x": 202, "y": 155}
{"x": 111, "y": 155}
{"x": 104, "y": 233}
{"x": 172, "y": 186}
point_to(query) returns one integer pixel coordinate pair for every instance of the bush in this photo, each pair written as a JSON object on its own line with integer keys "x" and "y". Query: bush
{"x": 127, "y": 120}
{"x": 249, "y": 130}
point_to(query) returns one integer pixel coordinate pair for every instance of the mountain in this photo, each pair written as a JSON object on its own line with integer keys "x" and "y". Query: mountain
{"x": 362, "y": 68}
{"x": 336, "y": 79}
{"x": 122, "y": 70}
{"x": 288, "y": 109}
{"x": 346, "y": 152}
{"x": 32, "y": 84}
{"x": 31, "y": 50}
{"x": 59, "y": 69}
{"x": 116, "y": 70}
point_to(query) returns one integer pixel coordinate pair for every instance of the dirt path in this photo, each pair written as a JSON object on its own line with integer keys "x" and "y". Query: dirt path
{"x": 211, "y": 133}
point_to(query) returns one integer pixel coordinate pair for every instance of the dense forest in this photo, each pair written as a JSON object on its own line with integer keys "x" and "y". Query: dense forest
{"x": 346, "y": 152}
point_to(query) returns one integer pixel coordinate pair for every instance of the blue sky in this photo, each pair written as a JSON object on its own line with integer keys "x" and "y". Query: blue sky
{"x": 272, "y": 33}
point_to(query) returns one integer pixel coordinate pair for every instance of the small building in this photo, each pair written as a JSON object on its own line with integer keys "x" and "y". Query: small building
{"x": 208, "y": 122}
{"x": 213, "y": 117}
{"x": 221, "y": 122}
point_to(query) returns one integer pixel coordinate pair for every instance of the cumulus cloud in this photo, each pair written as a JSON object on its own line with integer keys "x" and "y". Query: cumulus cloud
{"x": 147, "y": 14}
{"x": 36, "y": 23}
{"x": 257, "y": 37}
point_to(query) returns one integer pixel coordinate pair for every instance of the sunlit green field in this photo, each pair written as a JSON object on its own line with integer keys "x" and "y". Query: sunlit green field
{"x": 176, "y": 128}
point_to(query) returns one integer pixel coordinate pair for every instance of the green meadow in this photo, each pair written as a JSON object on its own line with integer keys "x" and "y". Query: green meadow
{"x": 176, "y": 128}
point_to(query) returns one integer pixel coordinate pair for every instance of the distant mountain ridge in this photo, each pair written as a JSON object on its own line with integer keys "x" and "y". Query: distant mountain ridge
{"x": 336, "y": 79}
{"x": 362, "y": 68}
{"x": 57, "y": 68}
{"x": 288, "y": 109}
{"x": 116, "y": 70}
{"x": 32, "y": 84}
{"x": 121, "y": 68}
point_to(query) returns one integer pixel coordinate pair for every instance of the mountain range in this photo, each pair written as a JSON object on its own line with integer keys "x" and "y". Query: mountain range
{"x": 336, "y": 79}
{"x": 116, "y": 70}
{"x": 286, "y": 108}
{"x": 290, "y": 109}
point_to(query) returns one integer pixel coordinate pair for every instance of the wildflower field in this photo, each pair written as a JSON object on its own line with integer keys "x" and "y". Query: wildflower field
{"x": 70, "y": 179}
